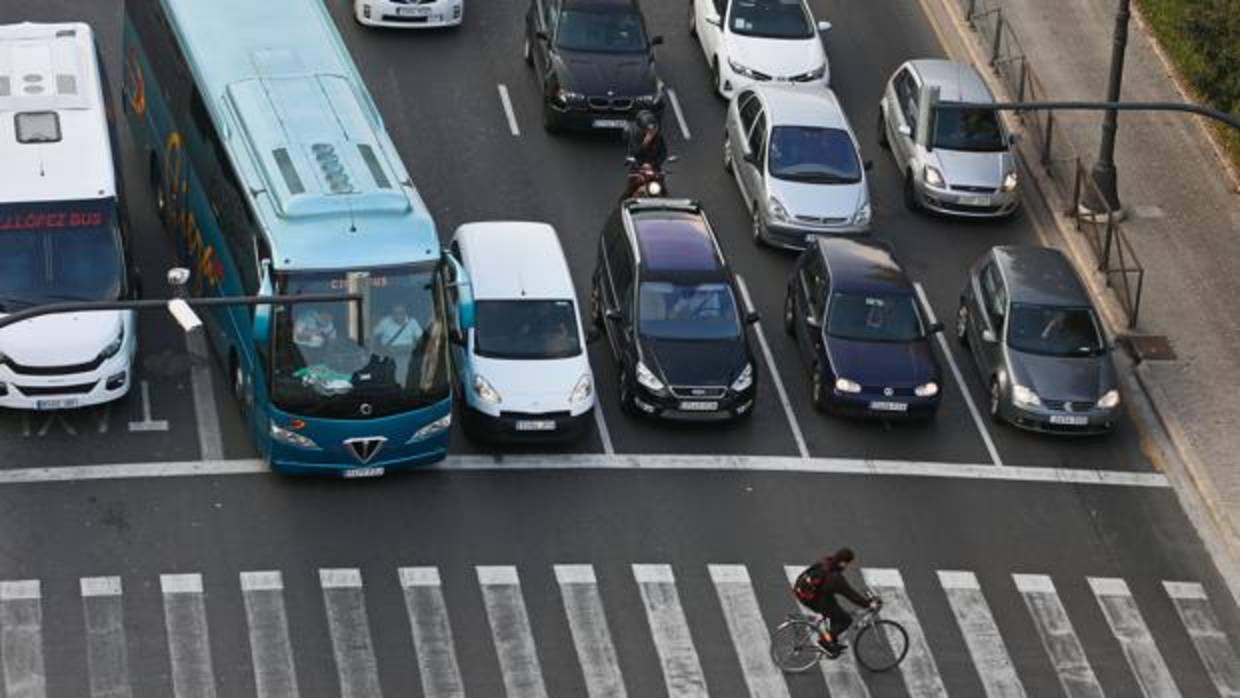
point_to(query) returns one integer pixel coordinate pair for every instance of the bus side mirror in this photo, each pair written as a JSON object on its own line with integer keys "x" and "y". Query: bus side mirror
{"x": 262, "y": 311}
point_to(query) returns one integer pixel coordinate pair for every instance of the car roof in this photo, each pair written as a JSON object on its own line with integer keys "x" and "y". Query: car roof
{"x": 514, "y": 260}
{"x": 1040, "y": 276}
{"x": 794, "y": 106}
{"x": 674, "y": 237}
{"x": 865, "y": 266}
{"x": 957, "y": 82}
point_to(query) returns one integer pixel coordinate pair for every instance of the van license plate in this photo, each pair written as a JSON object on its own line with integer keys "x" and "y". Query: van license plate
{"x": 363, "y": 472}
{"x": 62, "y": 404}
{"x": 699, "y": 406}
{"x": 889, "y": 406}
{"x": 609, "y": 123}
{"x": 1074, "y": 420}
{"x": 536, "y": 425}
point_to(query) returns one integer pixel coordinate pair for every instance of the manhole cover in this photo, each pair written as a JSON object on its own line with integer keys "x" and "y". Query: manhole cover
{"x": 1149, "y": 347}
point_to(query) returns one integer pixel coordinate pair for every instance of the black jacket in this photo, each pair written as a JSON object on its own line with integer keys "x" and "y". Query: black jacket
{"x": 825, "y": 577}
{"x": 654, "y": 152}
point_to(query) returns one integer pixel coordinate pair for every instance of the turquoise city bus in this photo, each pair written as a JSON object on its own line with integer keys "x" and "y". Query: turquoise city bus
{"x": 274, "y": 175}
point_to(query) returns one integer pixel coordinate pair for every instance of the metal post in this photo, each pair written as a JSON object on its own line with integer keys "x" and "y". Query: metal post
{"x": 994, "y": 52}
{"x": 1103, "y": 173}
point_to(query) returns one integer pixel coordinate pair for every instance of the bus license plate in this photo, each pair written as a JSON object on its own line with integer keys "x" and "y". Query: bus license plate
{"x": 535, "y": 425}
{"x": 363, "y": 472}
{"x": 975, "y": 200}
{"x": 889, "y": 406}
{"x": 62, "y": 404}
{"x": 609, "y": 123}
{"x": 1074, "y": 420}
{"x": 699, "y": 406}
{"x": 413, "y": 11}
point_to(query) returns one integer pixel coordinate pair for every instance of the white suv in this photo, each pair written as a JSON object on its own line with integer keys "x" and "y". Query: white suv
{"x": 748, "y": 41}
{"x": 414, "y": 14}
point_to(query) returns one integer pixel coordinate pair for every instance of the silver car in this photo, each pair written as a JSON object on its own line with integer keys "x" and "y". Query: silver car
{"x": 797, "y": 163}
{"x": 958, "y": 162}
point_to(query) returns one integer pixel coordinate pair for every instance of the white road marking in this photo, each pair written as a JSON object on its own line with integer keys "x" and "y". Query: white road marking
{"x": 349, "y": 627}
{"x": 682, "y": 671}
{"x": 147, "y": 424}
{"x": 921, "y": 674}
{"x": 964, "y": 387}
{"x": 775, "y": 378}
{"x": 1203, "y": 628}
{"x": 21, "y": 639}
{"x": 432, "y": 633}
{"x": 508, "y": 112}
{"x": 271, "y": 652}
{"x": 511, "y": 633}
{"x": 841, "y": 675}
{"x": 680, "y": 115}
{"x": 58, "y": 417}
{"x": 591, "y": 635}
{"x": 1058, "y": 636}
{"x": 750, "y": 637}
{"x": 604, "y": 434}
{"x": 106, "y": 655}
{"x": 189, "y": 648}
{"x": 981, "y": 635}
{"x": 1134, "y": 637}
{"x": 587, "y": 461}
{"x": 206, "y": 418}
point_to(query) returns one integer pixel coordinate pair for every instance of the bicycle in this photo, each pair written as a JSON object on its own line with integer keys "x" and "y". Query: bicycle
{"x": 879, "y": 644}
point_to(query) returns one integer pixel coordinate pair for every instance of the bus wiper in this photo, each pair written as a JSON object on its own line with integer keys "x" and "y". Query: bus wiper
{"x": 8, "y": 304}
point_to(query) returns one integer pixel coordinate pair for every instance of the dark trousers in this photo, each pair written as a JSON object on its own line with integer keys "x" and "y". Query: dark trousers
{"x": 838, "y": 619}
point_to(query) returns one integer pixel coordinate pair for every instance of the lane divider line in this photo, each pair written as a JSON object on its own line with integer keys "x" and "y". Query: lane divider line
{"x": 508, "y": 112}
{"x": 604, "y": 434}
{"x": 964, "y": 387}
{"x": 680, "y": 115}
{"x": 775, "y": 378}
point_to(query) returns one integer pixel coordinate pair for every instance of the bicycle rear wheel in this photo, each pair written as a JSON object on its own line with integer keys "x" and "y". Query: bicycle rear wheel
{"x": 881, "y": 645}
{"x": 794, "y": 646}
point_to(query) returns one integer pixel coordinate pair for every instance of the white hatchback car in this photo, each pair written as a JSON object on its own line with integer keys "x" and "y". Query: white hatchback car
{"x": 416, "y": 14}
{"x": 747, "y": 41}
{"x": 521, "y": 364}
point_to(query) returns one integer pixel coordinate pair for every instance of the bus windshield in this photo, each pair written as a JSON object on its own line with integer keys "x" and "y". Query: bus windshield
{"x": 342, "y": 361}
{"x": 55, "y": 251}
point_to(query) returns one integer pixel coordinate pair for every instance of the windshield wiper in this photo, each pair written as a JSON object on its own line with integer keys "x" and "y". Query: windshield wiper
{"x": 8, "y": 304}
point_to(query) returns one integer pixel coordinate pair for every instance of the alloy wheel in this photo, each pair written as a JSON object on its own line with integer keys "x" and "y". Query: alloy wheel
{"x": 790, "y": 315}
{"x": 882, "y": 132}
{"x": 727, "y": 153}
{"x": 816, "y": 389}
{"x": 756, "y": 230}
{"x": 526, "y": 54}
{"x": 962, "y": 325}
{"x": 996, "y": 395}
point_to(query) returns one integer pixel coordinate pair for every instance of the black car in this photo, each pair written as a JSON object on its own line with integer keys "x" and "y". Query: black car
{"x": 667, "y": 302}
{"x": 594, "y": 62}
{"x": 862, "y": 331}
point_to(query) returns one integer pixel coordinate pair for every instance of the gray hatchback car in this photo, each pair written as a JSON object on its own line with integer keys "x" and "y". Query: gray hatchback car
{"x": 1038, "y": 342}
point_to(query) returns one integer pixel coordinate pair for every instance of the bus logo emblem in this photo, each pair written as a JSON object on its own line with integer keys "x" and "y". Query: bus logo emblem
{"x": 366, "y": 448}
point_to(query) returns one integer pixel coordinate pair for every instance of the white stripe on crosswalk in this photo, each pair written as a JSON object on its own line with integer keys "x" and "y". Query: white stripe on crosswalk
{"x": 189, "y": 648}
{"x": 749, "y": 633}
{"x": 270, "y": 649}
{"x": 1058, "y": 636}
{"x": 21, "y": 639}
{"x": 432, "y": 633}
{"x": 1134, "y": 637}
{"x": 510, "y": 630}
{"x": 349, "y": 626}
{"x": 583, "y": 605}
{"x": 1207, "y": 635}
{"x": 682, "y": 671}
{"x": 841, "y": 673}
{"x": 921, "y": 674}
{"x": 107, "y": 658}
{"x": 981, "y": 635}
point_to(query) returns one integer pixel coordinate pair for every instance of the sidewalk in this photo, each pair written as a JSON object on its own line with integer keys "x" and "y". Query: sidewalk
{"x": 1184, "y": 224}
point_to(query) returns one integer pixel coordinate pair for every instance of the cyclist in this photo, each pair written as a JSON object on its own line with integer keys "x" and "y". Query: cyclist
{"x": 817, "y": 586}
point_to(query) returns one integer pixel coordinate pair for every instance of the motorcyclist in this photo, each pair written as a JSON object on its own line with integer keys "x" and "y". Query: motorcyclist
{"x": 644, "y": 144}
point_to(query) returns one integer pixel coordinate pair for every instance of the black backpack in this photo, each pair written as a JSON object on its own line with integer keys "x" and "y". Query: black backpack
{"x": 810, "y": 581}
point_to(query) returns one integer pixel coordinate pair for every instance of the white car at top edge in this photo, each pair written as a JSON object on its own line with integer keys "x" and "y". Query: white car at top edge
{"x": 409, "y": 14}
{"x": 748, "y": 41}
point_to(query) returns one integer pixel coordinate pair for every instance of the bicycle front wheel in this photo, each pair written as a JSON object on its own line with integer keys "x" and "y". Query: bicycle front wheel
{"x": 881, "y": 645}
{"x": 794, "y": 646}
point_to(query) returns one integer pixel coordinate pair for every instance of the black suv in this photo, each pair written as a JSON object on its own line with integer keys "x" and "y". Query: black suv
{"x": 668, "y": 303}
{"x": 594, "y": 62}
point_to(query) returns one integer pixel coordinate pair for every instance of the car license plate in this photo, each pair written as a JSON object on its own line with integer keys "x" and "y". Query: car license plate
{"x": 413, "y": 11}
{"x": 975, "y": 200}
{"x": 536, "y": 425}
{"x": 699, "y": 406}
{"x": 62, "y": 404}
{"x": 1074, "y": 420}
{"x": 363, "y": 472}
{"x": 609, "y": 123}
{"x": 881, "y": 406}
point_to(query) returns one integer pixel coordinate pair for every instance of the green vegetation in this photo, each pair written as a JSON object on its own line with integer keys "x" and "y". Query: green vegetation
{"x": 1203, "y": 39}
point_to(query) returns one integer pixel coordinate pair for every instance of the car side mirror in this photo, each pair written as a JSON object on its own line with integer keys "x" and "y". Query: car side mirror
{"x": 904, "y": 130}
{"x": 670, "y": 159}
{"x": 988, "y": 336}
{"x": 656, "y": 40}
{"x": 751, "y": 317}
{"x": 542, "y": 35}
{"x": 813, "y": 322}
{"x": 613, "y": 315}
{"x": 868, "y": 165}
{"x": 593, "y": 335}
{"x": 936, "y": 327}
{"x": 824, "y": 26}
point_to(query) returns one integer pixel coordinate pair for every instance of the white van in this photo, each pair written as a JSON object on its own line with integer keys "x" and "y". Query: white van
{"x": 62, "y": 235}
{"x": 521, "y": 362}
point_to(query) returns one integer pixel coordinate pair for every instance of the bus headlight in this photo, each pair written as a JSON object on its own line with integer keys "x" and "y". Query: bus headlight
{"x": 436, "y": 427}
{"x": 292, "y": 438}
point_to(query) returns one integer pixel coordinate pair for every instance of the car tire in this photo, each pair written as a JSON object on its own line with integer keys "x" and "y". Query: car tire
{"x": 551, "y": 122}
{"x": 727, "y": 153}
{"x": 692, "y": 19}
{"x": 910, "y": 193}
{"x": 527, "y": 54}
{"x": 716, "y": 76}
{"x": 962, "y": 325}
{"x": 755, "y": 229}
{"x": 627, "y": 405}
{"x": 817, "y": 391}
{"x": 790, "y": 314}
{"x": 882, "y": 132}
{"x": 996, "y": 397}
{"x": 596, "y": 305}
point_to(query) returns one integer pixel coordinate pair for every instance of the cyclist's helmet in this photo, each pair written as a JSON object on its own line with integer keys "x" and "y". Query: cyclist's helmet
{"x": 646, "y": 120}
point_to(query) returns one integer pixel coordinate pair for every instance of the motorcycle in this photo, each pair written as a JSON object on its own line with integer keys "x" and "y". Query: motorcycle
{"x": 645, "y": 180}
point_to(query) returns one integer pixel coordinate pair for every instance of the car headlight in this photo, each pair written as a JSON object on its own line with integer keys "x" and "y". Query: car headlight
{"x": 565, "y": 97}
{"x": 744, "y": 380}
{"x": 776, "y": 209}
{"x": 1109, "y": 400}
{"x": 485, "y": 392}
{"x": 926, "y": 389}
{"x": 292, "y": 438}
{"x": 1010, "y": 181}
{"x": 583, "y": 390}
{"x": 932, "y": 176}
{"x": 846, "y": 386}
{"x": 436, "y": 427}
{"x": 1025, "y": 397}
{"x": 863, "y": 214}
{"x": 815, "y": 74}
{"x": 648, "y": 380}
{"x": 742, "y": 70}
{"x": 652, "y": 99}
{"x": 113, "y": 346}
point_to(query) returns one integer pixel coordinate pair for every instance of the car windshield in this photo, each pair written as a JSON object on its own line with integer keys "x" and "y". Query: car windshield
{"x": 972, "y": 130}
{"x": 874, "y": 317}
{"x": 526, "y": 329}
{"x": 770, "y": 19}
{"x": 58, "y": 251}
{"x": 813, "y": 155}
{"x": 601, "y": 29}
{"x": 388, "y": 352}
{"x": 679, "y": 311}
{"x": 1054, "y": 330}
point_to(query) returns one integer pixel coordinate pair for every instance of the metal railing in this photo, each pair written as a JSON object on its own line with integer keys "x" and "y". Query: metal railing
{"x": 1057, "y": 155}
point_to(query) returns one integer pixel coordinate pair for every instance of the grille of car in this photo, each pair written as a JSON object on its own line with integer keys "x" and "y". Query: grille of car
{"x": 822, "y": 220}
{"x": 44, "y": 390}
{"x": 1067, "y": 405}
{"x": 541, "y": 416}
{"x": 880, "y": 390}
{"x": 972, "y": 189}
{"x": 52, "y": 370}
{"x": 699, "y": 392}
{"x": 412, "y": 2}
{"x": 610, "y": 103}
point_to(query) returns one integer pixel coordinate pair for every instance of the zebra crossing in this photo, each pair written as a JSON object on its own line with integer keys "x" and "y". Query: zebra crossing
{"x": 601, "y": 661}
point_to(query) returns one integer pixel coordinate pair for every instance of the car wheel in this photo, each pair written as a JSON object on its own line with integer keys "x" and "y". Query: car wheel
{"x": 756, "y": 228}
{"x": 627, "y": 405}
{"x": 238, "y": 381}
{"x": 527, "y": 54}
{"x": 727, "y": 153}
{"x": 596, "y": 305}
{"x": 817, "y": 391}
{"x": 550, "y": 122}
{"x": 692, "y": 19}
{"x": 717, "y": 77}
{"x": 910, "y": 193}
{"x": 996, "y": 397}
{"x": 962, "y": 325}
{"x": 790, "y": 314}
{"x": 882, "y": 132}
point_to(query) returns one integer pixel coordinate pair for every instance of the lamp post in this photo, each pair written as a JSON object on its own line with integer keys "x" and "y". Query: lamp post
{"x": 1103, "y": 172}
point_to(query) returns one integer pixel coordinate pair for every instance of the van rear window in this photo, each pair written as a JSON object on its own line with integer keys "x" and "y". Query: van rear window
{"x": 37, "y": 127}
